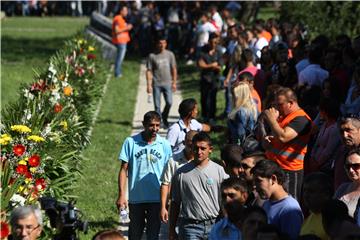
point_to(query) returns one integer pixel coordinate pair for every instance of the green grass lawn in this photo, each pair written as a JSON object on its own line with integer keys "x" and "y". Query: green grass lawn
{"x": 26, "y": 45}
{"x": 97, "y": 190}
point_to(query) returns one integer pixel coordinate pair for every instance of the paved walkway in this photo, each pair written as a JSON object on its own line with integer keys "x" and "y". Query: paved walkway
{"x": 143, "y": 106}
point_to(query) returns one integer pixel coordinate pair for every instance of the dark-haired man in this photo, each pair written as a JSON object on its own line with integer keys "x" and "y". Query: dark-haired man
{"x": 143, "y": 158}
{"x": 234, "y": 193}
{"x": 196, "y": 188}
{"x": 287, "y": 142}
{"x": 188, "y": 111}
{"x": 161, "y": 77}
{"x": 281, "y": 208}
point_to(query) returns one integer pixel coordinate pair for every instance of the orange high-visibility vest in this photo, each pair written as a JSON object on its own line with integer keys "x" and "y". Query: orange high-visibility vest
{"x": 122, "y": 37}
{"x": 290, "y": 155}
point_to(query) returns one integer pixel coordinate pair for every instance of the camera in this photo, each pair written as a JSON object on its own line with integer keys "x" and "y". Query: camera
{"x": 65, "y": 217}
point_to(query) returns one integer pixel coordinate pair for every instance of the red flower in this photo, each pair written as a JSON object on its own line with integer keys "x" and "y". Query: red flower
{"x": 57, "y": 107}
{"x": 91, "y": 56}
{"x": 28, "y": 175}
{"x": 21, "y": 169}
{"x": 5, "y": 230}
{"x": 79, "y": 71}
{"x": 40, "y": 183}
{"x": 19, "y": 150}
{"x": 38, "y": 86}
{"x": 34, "y": 160}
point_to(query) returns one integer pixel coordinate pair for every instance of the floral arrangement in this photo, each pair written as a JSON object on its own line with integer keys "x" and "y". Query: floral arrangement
{"x": 44, "y": 132}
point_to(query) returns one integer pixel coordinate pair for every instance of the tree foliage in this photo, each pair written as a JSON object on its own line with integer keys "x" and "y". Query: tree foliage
{"x": 329, "y": 18}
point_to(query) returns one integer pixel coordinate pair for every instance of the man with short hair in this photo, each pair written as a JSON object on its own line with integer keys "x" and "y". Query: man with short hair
{"x": 196, "y": 188}
{"x": 281, "y": 208}
{"x": 231, "y": 155}
{"x": 234, "y": 193}
{"x": 349, "y": 127}
{"x": 188, "y": 111}
{"x": 26, "y": 223}
{"x": 178, "y": 160}
{"x": 161, "y": 77}
{"x": 120, "y": 37}
{"x": 143, "y": 158}
{"x": 290, "y": 133}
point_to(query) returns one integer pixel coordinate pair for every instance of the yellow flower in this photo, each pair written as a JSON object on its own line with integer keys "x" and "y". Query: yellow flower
{"x": 20, "y": 128}
{"x": 64, "y": 124}
{"x": 91, "y": 49}
{"x": 5, "y": 139}
{"x": 22, "y": 162}
{"x": 36, "y": 138}
{"x": 68, "y": 90}
{"x": 27, "y": 180}
{"x": 80, "y": 41}
{"x": 32, "y": 169}
{"x": 61, "y": 77}
{"x": 20, "y": 189}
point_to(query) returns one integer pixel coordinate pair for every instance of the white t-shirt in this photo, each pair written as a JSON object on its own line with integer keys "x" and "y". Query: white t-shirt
{"x": 177, "y": 131}
{"x": 203, "y": 32}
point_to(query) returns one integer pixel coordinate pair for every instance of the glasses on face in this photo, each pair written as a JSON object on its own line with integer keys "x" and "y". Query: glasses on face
{"x": 353, "y": 166}
{"x": 29, "y": 228}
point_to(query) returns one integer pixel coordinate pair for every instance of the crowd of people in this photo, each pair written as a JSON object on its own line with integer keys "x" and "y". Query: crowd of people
{"x": 290, "y": 160}
{"x": 290, "y": 157}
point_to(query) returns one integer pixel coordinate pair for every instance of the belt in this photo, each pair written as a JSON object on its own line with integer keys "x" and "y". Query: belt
{"x": 194, "y": 221}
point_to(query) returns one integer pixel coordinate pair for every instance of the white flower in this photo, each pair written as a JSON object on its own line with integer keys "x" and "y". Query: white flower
{"x": 86, "y": 81}
{"x": 28, "y": 94}
{"x": 27, "y": 114}
{"x": 52, "y": 69}
{"x": 46, "y": 130}
{"x": 16, "y": 199}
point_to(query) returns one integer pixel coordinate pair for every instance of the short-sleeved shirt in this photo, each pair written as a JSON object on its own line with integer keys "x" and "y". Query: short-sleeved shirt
{"x": 146, "y": 164}
{"x": 210, "y": 75}
{"x": 313, "y": 225}
{"x": 177, "y": 131}
{"x": 313, "y": 75}
{"x": 177, "y": 161}
{"x": 225, "y": 230}
{"x": 161, "y": 64}
{"x": 301, "y": 125}
{"x": 286, "y": 214}
{"x": 198, "y": 190}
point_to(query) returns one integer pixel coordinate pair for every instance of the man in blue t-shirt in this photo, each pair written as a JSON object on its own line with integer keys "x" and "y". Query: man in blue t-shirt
{"x": 282, "y": 209}
{"x": 143, "y": 158}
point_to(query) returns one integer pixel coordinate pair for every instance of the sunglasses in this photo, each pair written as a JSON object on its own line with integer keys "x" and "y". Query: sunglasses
{"x": 354, "y": 166}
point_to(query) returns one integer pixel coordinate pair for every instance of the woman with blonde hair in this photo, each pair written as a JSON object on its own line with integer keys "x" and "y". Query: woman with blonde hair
{"x": 243, "y": 117}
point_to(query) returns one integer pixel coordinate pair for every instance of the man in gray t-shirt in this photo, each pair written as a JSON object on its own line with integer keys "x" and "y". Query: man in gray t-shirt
{"x": 161, "y": 76}
{"x": 196, "y": 188}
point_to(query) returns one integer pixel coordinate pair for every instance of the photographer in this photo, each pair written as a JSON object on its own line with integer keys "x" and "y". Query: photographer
{"x": 26, "y": 223}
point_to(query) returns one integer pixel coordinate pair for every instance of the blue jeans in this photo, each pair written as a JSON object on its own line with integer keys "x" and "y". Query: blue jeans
{"x": 137, "y": 214}
{"x": 166, "y": 90}
{"x": 189, "y": 230}
{"x": 120, "y": 55}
